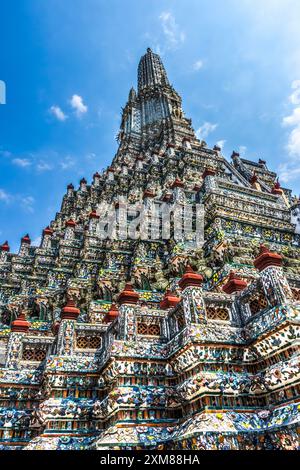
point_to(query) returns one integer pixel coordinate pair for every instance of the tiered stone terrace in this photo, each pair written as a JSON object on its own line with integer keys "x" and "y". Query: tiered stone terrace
{"x": 156, "y": 343}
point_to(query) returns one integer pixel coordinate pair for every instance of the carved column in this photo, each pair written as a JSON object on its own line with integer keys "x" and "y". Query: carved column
{"x": 193, "y": 303}
{"x": 19, "y": 329}
{"x": 275, "y": 284}
{"x": 66, "y": 333}
{"x": 128, "y": 325}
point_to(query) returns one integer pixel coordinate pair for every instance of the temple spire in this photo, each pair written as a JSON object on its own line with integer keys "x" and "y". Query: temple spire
{"x": 151, "y": 71}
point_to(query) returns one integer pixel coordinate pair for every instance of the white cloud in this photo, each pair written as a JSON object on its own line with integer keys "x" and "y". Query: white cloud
{"x": 67, "y": 163}
{"x": 90, "y": 156}
{"x": 206, "y": 129}
{"x": 174, "y": 36}
{"x": 293, "y": 120}
{"x": 4, "y": 196}
{"x": 198, "y": 65}
{"x": 294, "y": 142}
{"x": 295, "y": 96}
{"x": 37, "y": 241}
{"x": 221, "y": 144}
{"x": 43, "y": 166}
{"x": 242, "y": 150}
{"x": 58, "y": 113}
{"x": 21, "y": 162}
{"x": 290, "y": 170}
{"x": 27, "y": 203}
{"x": 78, "y": 105}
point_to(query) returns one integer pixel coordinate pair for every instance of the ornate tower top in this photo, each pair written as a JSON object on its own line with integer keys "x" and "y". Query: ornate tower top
{"x": 155, "y": 110}
{"x": 151, "y": 71}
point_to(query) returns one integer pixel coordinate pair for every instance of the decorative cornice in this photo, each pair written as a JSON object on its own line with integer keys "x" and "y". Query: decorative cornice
{"x": 70, "y": 311}
{"x": 170, "y": 300}
{"x": 190, "y": 279}
{"x": 266, "y": 259}
{"x": 20, "y": 325}
{"x": 112, "y": 314}
{"x": 234, "y": 284}
{"x": 128, "y": 295}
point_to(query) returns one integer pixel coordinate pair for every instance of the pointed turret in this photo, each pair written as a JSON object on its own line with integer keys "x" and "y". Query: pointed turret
{"x": 5, "y": 246}
{"x": 151, "y": 71}
{"x": 156, "y": 108}
{"x": 132, "y": 95}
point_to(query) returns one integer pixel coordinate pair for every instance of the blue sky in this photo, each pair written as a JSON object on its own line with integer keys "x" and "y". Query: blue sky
{"x": 68, "y": 66}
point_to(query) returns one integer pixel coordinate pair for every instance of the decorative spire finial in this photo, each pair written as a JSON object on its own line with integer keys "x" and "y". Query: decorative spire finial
{"x": 151, "y": 71}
